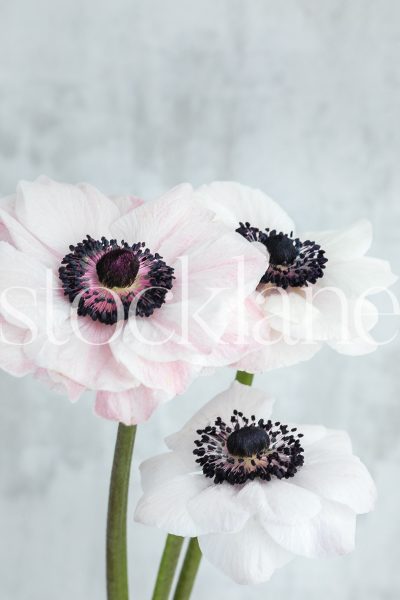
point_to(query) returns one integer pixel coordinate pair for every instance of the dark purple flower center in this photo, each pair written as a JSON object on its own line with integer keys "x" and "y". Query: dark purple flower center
{"x": 118, "y": 268}
{"x": 107, "y": 279}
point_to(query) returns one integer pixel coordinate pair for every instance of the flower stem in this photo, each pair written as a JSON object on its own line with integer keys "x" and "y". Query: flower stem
{"x": 166, "y": 571}
{"x": 117, "y": 571}
{"x": 189, "y": 571}
{"x": 244, "y": 377}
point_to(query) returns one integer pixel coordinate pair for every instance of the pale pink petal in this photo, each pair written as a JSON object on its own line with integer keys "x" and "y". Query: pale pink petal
{"x": 170, "y": 220}
{"x": 12, "y": 355}
{"x": 24, "y": 241}
{"x": 88, "y": 363}
{"x": 62, "y": 214}
{"x": 172, "y": 376}
{"x": 60, "y": 384}
{"x": 130, "y": 407}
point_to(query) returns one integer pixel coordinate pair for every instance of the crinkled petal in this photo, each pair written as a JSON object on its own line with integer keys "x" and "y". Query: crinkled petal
{"x": 216, "y": 509}
{"x": 167, "y": 225}
{"x": 360, "y": 276}
{"x": 279, "y": 501}
{"x": 342, "y": 479}
{"x": 344, "y": 244}
{"x": 130, "y": 407}
{"x": 165, "y": 507}
{"x": 249, "y": 556}
{"x": 330, "y": 533}
{"x": 60, "y": 214}
{"x": 172, "y": 376}
{"x": 24, "y": 241}
{"x": 160, "y": 469}
{"x": 234, "y": 203}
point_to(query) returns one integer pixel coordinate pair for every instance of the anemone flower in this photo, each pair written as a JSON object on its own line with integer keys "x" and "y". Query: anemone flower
{"x": 256, "y": 492}
{"x": 315, "y": 286}
{"x": 93, "y": 290}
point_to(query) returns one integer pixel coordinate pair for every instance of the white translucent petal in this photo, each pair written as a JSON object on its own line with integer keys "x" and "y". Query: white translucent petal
{"x": 279, "y": 501}
{"x": 165, "y": 506}
{"x": 235, "y": 203}
{"x": 343, "y": 479}
{"x": 249, "y": 556}
{"x": 217, "y": 509}
{"x": 330, "y": 533}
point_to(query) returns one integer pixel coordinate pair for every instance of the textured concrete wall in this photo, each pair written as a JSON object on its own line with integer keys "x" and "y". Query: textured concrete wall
{"x": 300, "y": 98}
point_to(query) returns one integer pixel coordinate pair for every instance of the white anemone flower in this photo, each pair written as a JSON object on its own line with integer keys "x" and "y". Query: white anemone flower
{"x": 316, "y": 285}
{"x": 256, "y": 492}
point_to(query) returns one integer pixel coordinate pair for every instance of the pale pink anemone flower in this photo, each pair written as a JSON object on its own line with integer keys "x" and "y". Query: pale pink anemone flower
{"x": 255, "y": 491}
{"x": 75, "y": 264}
{"x": 315, "y": 285}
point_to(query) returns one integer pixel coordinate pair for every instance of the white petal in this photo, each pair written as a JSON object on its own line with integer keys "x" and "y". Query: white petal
{"x": 217, "y": 509}
{"x": 311, "y": 433}
{"x": 342, "y": 479}
{"x": 344, "y": 244}
{"x": 280, "y": 502}
{"x": 277, "y": 353}
{"x": 235, "y": 203}
{"x": 160, "y": 469}
{"x": 333, "y": 444}
{"x": 365, "y": 275}
{"x": 356, "y": 346}
{"x": 165, "y": 507}
{"x": 243, "y": 398}
{"x": 330, "y": 533}
{"x": 249, "y": 556}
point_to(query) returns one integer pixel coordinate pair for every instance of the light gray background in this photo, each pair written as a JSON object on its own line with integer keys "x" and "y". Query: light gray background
{"x": 300, "y": 98}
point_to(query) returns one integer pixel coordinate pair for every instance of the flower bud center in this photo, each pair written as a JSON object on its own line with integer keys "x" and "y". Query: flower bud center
{"x": 118, "y": 268}
{"x": 247, "y": 441}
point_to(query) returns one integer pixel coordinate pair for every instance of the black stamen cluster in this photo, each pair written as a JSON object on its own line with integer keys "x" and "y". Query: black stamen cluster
{"x": 292, "y": 263}
{"x": 247, "y": 449}
{"x": 100, "y": 255}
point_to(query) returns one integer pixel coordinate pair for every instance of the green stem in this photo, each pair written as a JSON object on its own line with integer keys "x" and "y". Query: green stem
{"x": 117, "y": 570}
{"x": 244, "y": 377}
{"x": 167, "y": 568}
{"x": 189, "y": 571}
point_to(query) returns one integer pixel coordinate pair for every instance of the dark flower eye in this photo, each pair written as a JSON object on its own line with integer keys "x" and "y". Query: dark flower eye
{"x": 97, "y": 271}
{"x": 247, "y": 449}
{"x": 292, "y": 263}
